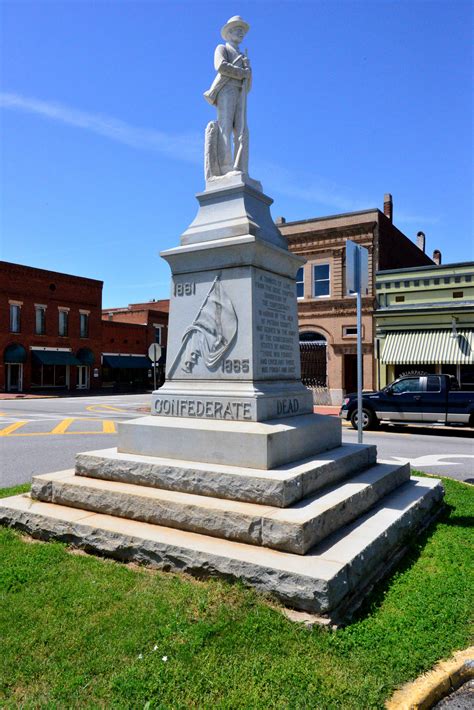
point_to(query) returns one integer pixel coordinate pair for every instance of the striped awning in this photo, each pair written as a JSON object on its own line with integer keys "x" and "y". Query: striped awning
{"x": 423, "y": 347}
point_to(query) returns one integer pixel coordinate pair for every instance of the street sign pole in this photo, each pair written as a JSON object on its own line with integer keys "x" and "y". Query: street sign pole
{"x": 359, "y": 349}
{"x": 154, "y": 371}
{"x": 357, "y": 274}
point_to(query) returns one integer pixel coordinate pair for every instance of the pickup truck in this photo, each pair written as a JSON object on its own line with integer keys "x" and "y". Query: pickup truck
{"x": 434, "y": 399}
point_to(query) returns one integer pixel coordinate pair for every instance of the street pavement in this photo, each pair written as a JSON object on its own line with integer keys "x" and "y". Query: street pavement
{"x": 43, "y": 435}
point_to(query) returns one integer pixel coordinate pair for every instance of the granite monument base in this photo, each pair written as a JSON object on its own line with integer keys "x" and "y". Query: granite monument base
{"x": 260, "y": 445}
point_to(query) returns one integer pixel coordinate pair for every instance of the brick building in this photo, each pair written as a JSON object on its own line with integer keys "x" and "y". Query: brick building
{"x": 327, "y": 317}
{"x": 50, "y": 329}
{"x": 54, "y": 334}
{"x": 127, "y": 334}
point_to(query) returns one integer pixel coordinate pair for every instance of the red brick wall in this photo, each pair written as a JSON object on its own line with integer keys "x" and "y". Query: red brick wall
{"x": 38, "y": 286}
{"x": 396, "y": 250}
{"x": 124, "y": 338}
{"x": 144, "y": 316}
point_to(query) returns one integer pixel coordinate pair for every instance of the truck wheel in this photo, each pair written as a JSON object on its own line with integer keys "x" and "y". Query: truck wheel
{"x": 369, "y": 420}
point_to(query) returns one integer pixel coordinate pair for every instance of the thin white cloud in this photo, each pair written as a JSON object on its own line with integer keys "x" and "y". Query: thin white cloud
{"x": 416, "y": 219}
{"x": 188, "y": 147}
{"x": 180, "y": 147}
{"x": 316, "y": 190}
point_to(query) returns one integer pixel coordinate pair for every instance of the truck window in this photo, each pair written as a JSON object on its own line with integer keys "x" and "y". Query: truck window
{"x": 433, "y": 384}
{"x": 409, "y": 384}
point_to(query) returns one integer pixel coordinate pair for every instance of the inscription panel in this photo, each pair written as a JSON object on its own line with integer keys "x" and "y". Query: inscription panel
{"x": 276, "y": 327}
{"x": 228, "y": 408}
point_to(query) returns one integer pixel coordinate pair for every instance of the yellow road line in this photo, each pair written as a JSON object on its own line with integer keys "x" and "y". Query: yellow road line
{"x": 66, "y": 433}
{"x": 11, "y": 427}
{"x": 62, "y": 426}
{"x": 108, "y": 427}
{"x": 101, "y": 407}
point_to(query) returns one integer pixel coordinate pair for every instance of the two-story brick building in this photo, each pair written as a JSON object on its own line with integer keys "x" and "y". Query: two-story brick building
{"x": 50, "y": 329}
{"x": 127, "y": 334}
{"x": 327, "y": 316}
{"x": 54, "y": 334}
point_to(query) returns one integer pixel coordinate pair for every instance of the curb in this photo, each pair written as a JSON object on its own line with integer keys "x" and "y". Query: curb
{"x": 425, "y": 691}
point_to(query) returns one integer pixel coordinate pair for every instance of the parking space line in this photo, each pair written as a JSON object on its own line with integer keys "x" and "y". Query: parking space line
{"x": 62, "y": 426}
{"x": 12, "y": 427}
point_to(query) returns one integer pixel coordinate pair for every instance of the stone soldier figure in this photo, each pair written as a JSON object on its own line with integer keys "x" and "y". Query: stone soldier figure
{"x": 229, "y": 93}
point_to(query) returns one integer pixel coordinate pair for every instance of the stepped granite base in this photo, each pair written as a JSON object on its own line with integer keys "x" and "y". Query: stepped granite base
{"x": 328, "y": 580}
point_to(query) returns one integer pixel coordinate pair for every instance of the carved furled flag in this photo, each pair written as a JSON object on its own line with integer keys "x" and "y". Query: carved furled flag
{"x": 212, "y": 331}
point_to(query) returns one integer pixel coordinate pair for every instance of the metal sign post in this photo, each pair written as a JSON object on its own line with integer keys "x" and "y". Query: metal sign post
{"x": 357, "y": 273}
{"x": 154, "y": 353}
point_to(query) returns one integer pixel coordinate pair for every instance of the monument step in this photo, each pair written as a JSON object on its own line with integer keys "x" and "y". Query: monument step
{"x": 295, "y": 529}
{"x": 279, "y": 487}
{"x": 329, "y": 580}
{"x": 261, "y": 445}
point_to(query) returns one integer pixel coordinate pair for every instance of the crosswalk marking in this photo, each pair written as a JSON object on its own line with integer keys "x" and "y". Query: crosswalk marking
{"x": 12, "y": 427}
{"x": 62, "y": 426}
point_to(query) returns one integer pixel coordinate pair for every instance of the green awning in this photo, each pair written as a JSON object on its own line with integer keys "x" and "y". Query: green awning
{"x": 55, "y": 357}
{"x": 429, "y": 347}
{"x": 14, "y": 353}
{"x": 129, "y": 362}
{"x": 85, "y": 356}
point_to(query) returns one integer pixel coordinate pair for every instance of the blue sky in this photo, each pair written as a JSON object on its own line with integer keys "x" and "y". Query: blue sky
{"x": 103, "y": 121}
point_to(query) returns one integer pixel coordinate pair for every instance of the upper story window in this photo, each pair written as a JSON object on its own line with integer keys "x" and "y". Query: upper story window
{"x": 40, "y": 320}
{"x": 63, "y": 322}
{"x": 321, "y": 285}
{"x": 15, "y": 318}
{"x": 300, "y": 283}
{"x": 158, "y": 334}
{"x": 84, "y": 325}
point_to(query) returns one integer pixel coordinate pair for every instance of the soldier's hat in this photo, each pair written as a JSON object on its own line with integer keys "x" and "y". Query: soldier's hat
{"x": 235, "y": 21}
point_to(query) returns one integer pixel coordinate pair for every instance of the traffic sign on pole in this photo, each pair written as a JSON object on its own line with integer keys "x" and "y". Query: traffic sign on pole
{"x": 154, "y": 353}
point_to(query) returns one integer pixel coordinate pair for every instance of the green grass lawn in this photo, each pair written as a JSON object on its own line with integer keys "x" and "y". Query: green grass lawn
{"x": 79, "y": 631}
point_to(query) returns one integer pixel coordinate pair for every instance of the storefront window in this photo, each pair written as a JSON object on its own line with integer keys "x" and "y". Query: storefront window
{"x": 35, "y": 375}
{"x": 48, "y": 375}
{"x": 467, "y": 377}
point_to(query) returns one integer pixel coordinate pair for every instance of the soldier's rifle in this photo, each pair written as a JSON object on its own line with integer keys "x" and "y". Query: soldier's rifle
{"x": 242, "y": 118}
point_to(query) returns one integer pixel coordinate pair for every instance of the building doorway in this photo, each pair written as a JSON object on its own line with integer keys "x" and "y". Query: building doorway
{"x": 350, "y": 373}
{"x": 83, "y": 377}
{"x": 14, "y": 377}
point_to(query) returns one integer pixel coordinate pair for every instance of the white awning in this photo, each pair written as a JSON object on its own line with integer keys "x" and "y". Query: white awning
{"x": 423, "y": 347}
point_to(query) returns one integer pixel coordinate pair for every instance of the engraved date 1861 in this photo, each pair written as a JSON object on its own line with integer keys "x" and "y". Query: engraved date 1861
{"x": 188, "y": 288}
{"x": 235, "y": 366}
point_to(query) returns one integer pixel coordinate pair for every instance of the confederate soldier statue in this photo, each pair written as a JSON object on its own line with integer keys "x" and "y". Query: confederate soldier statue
{"x": 229, "y": 94}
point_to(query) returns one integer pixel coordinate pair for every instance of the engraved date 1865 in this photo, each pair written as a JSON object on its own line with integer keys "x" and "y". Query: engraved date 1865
{"x": 235, "y": 366}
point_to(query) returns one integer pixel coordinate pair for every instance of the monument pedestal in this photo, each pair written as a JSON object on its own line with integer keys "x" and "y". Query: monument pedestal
{"x": 260, "y": 445}
{"x": 233, "y": 474}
